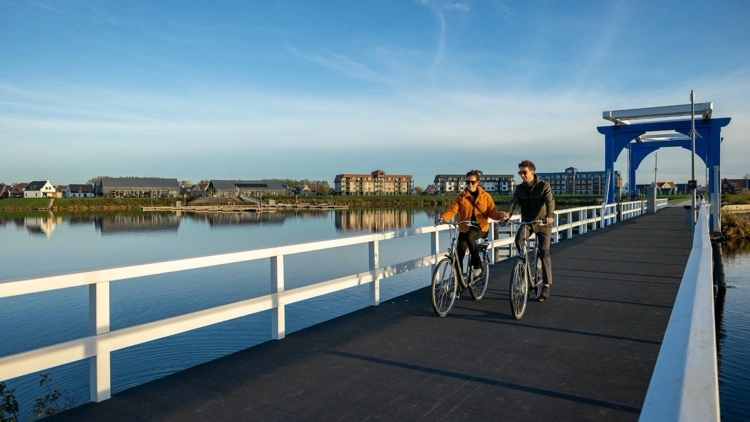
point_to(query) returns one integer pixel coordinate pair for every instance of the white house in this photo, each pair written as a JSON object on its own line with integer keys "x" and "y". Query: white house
{"x": 79, "y": 191}
{"x": 40, "y": 189}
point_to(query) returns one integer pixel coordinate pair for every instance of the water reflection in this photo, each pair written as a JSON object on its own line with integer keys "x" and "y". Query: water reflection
{"x": 734, "y": 247}
{"x": 42, "y": 225}
{"x": 137, "y": 223}
{"x": 367, "y": 220}
{"x": 733, "y": 331}
{"x": 228, "y": 219}
{"x": 377, "y": 220}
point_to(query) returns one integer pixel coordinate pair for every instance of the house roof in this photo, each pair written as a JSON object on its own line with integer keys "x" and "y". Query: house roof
{"x": 139, "y": 183}
{"x": 81, "y": 188}
{"x": 248, "y": 184}
{"x": 37, "y": 185}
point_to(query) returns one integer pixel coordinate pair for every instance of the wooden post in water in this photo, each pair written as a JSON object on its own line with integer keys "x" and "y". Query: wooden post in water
{"x": 720, "y": 280}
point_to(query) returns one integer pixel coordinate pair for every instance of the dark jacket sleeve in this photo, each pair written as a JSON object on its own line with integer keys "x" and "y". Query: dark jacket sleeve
{"x": 549, "y": 201}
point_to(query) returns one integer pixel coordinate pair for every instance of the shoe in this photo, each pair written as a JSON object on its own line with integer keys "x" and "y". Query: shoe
{"x": 476, "y": 272}
{"x": 545, "y": 293}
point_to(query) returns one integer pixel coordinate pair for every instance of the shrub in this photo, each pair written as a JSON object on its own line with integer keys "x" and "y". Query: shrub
{"x": 735, "y": 226}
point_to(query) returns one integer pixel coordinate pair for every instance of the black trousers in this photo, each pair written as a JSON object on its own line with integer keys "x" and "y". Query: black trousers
{"x": 469, "y": 240}
{"x": 543, "y": 239}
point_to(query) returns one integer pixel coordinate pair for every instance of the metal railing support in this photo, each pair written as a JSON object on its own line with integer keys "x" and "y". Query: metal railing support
{"x": 278, "y": 323}
{"x": 374, "y": 249}
{"x": 100, "y": 363}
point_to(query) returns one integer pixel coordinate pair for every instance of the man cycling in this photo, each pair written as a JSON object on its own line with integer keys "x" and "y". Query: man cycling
{"x": 534, "y": 196}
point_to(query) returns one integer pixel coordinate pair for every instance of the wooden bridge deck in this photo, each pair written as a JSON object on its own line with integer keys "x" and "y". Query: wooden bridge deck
{"x": 586, "y": 353}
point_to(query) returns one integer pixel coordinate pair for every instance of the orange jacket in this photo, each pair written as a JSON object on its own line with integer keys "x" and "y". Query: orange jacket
{"x": 464, "y": 204}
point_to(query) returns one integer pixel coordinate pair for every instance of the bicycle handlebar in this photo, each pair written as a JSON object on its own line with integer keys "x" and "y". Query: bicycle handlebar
{"x": 525, "y": 223}
{"x": 458, "y": 223}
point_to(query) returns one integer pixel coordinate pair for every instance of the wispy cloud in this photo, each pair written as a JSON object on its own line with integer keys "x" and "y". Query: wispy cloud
{"x": 340, "y": 63}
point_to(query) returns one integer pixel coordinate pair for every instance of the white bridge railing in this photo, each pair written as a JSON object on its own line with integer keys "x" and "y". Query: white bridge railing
{"x": 685, "y": 382}
{"x": 102, "y": 341}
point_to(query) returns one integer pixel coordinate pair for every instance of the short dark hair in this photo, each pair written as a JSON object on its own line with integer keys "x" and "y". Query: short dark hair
{"x": 528, "y": 164}
{"x": 474, "y": 173}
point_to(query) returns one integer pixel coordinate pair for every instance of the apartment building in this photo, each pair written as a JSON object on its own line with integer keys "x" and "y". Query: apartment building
{"x": 375, "y": 183}
{"x": 503, "y": 184}
{"x": 575, "y": 182}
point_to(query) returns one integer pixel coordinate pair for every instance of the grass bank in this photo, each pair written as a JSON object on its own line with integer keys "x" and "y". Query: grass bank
{"x": 82, "y": 205}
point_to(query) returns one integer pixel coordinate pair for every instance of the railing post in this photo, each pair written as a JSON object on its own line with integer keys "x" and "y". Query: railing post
{"x": 583, "y": 228}
{"x": 556, "y": 223}
{"x": 100, "y": 373}
{"x": 592, "y": 216}
{"x": 569, "y": 217}
{"x": 491, "y": 238}
{"x": 278, "y": 317}
{"x": 374, "y": 265}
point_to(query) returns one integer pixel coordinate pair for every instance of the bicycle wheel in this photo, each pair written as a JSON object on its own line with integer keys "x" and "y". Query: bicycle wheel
{"x": 443, "y": 287}
{"x": 519, "y": 290}
{"x": 538, "y": 278}
{"x": 478, "y": 286}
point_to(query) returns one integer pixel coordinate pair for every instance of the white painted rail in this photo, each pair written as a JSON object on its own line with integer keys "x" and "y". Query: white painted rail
{"x": 102, "y": 341}
{"x": 685, "y": 382}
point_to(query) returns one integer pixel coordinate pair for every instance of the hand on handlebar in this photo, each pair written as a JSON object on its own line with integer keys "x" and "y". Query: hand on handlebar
{"x": 439, "y": 221}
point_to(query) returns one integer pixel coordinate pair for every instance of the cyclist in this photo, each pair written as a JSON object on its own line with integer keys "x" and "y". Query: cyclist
{"x": 475, "y": 204}
{"x": 534, "y": 196}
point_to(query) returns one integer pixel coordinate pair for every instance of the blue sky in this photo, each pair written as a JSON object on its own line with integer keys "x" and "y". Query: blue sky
{"x": 310, "y": 89}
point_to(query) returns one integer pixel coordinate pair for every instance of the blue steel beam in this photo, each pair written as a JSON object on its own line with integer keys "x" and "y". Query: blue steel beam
{"x": 707, "y": 144}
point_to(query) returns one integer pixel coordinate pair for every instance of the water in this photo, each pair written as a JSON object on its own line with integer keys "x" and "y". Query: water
{"x": 733, "y": 333}
{"x": 47, "y": 244}
{"x": 43, "y": 245}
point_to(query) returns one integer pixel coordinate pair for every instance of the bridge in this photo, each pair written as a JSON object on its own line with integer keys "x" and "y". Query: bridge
{"x": 627, "y": 334}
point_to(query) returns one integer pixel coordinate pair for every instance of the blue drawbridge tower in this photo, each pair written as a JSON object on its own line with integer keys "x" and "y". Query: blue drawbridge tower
{"x": 641, "y": 139}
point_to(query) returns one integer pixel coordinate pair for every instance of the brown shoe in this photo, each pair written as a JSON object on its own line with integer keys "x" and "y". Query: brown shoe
{"x": 545, "y": 293}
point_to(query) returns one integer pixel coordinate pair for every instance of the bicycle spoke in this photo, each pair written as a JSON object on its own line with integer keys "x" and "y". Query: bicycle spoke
{"x": 443, "y": 287}
{"x": 478, "y": 286}
{"x": 519, "y": 290}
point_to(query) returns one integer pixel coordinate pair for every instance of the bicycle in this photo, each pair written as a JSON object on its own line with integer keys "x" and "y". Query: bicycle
{"x": 525, "y": 277}
{"x": 448, "y": 279}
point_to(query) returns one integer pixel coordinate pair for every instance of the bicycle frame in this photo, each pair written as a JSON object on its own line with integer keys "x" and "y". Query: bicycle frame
{"x": 526, "y": 273}
{"x": 529, "y": 255}
{"x": 449, "y": 278}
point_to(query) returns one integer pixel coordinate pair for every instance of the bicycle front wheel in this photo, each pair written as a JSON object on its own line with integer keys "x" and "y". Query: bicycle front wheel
{"x": 478, "y": 286}
{"x": 443, "y": 289}
{"x": 519, "y": 290}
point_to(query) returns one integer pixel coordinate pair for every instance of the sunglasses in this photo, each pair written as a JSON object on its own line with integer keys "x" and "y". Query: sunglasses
{"x": 522, "y": 172}
{"x": 472, "y": 182}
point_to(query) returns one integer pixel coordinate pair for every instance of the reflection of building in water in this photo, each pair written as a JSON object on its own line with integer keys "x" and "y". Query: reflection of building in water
{"x": 41, "y": 225}
{"x": 81, "y": 220}
{"x": 373, "y": 220}
{"x": 219, "y": 219}
{"x": 145, "y": 222}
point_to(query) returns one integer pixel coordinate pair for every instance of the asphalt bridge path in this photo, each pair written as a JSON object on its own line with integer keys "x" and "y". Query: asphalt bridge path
{"x": 586, "y": 353}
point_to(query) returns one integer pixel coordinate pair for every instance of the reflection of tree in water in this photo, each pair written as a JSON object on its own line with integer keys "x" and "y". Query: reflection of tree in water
{"x": 373, "y": 220}
{"x": 221, "y": 219}
{"x": 133, "y": 223}
{"x": 734, "y": 247}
